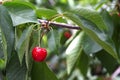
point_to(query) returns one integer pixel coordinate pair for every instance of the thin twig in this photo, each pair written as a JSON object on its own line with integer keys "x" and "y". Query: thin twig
{"x": 62, "y": 25}
{"x": 117, "y": 71}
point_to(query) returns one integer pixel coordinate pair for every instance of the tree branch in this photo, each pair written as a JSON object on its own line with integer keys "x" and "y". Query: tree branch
{"x": 116, "y": 73}
{"x": 62, "y": 25}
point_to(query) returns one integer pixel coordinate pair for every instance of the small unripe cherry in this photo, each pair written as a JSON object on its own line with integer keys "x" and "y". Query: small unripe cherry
{"x": 67, "y": 34}
{"x": 39, "y": 54}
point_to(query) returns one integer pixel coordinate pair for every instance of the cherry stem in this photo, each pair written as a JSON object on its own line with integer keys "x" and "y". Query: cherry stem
{"x": 41, "y": 36}
{"x": 62, "y": 25}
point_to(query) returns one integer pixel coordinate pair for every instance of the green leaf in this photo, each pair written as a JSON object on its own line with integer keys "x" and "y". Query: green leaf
{"x": 53, "y": 41}
{"x": 96, "y": 34}
{"x": 87, "y": 42}
{"x": 100, "y": 4}
{"x": 35, "y": 38}
{"x": 21, "y": 44}
{"x": 63, "y": 39}
{"x": 116, "y": 33}
{"x": 1, "y": 75}
{"x": 2, "y": 64}
{"x": 34, "y": 41}
{"x": 108, "y": 21}
{"x": 49, "y": 14}
{"x": 14, "y": 71}
{"x": 73, "y": 52}
{"x": 21, "y": 12}
{"x": 83, "y": 63}
{"x": 40, "y": 71}
{"x": 93, "y": 16}
{"x": 7, "y": 33}
{"x": 107, "y": 61}
{"x": 27, "y": 55}
{"x": 1, "y": 46}
{"x": 44, "y": 12}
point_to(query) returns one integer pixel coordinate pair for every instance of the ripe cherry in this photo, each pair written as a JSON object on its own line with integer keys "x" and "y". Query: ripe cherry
{"x": 39, "y": 54}
{"x": 67, "y": 34}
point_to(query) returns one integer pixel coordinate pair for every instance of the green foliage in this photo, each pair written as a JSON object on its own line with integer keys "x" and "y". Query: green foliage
{"x": 116, "y": 33}
{"x": 92, "y": 16}
{"x": 73, "y": 52}
{"x": 21, "y": 44}
{"x": 43, "y": 12}
{"x": 20, "y": 32}
{"x": 7, "y": 33}
{"x": 104, "y": 57}
{"x": 87, "y": 42}
{"x": 53, "y": 41}
{"x": 2, "y": 64}
{"x": 109, "y": 22}
{"x": 83, "y": 63}
{"x": 21, "y": 12}
{"x": 95, "y": 33}
{"x": 14, "y": 71}
{"x": 42, "y": 72}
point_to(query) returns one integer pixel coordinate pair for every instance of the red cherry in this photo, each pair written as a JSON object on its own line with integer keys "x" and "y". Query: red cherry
{"x": 67, "y": 34}
{"x": 39, "y": 54}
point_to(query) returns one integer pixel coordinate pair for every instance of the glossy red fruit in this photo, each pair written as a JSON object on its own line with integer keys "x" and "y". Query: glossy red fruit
{"x": 39, "y": 54}
{"x": 67, "y": 34}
